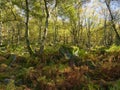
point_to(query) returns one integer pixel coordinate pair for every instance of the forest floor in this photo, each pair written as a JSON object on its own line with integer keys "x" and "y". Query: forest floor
{"x": 95, "y": 70}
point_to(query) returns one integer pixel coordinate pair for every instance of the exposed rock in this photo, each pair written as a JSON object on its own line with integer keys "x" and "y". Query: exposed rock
{"x": 68, "y": 51}
{"x": 7, "y": 80}
{"x": 13, "y": 58}
{"x": 10, "y": 56}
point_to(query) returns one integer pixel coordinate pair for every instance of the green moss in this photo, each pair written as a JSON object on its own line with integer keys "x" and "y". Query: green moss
{"x": 11, "y": 85}
{"x": 113, "y": 48}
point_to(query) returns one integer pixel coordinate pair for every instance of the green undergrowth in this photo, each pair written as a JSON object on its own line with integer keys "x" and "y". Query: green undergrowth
{"x": 114, "y": 48}
{"x": 63, "y": 68}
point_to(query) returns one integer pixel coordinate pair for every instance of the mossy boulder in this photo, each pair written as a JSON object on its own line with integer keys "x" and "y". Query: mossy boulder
{"x": 13, "y": 58}
{"x": 69, "y": 51}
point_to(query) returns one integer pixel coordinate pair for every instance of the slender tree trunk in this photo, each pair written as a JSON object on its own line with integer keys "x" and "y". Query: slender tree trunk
{"x": 1, "y": 28}
{"x": 55, "y": 23}
{"x": 89, "y": 38}
{"x": 40, "y": 31}
{"x": 112, "y": 20}
{"x": 13, "y": 36}
{"x": 78, "y": 33}
{"x": 64, "y": 37}
{"x": 81, "y": 35}
{"x": 88, "y": 28}
{"x": 40, "y": 23}
{"x": 8, "y": 33}
{"x": 105, "y": 43}
{"x": 55, "y": 30}
{"x": 79, "y": 24}
{"x": 18, "y": 35}
{"x": 0, "y": 33}
{"x": 27, "y": 29}
{"x": 46, "y": 28}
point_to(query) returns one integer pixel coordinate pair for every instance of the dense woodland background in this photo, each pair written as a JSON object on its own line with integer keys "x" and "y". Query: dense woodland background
{"x": 59, "y": 45}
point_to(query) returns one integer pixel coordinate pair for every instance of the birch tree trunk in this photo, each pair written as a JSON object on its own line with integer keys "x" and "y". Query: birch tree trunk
{"x": 0, "y": 33}
{"x": 27, "y": 29}
{"x": 45, "y": 29}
